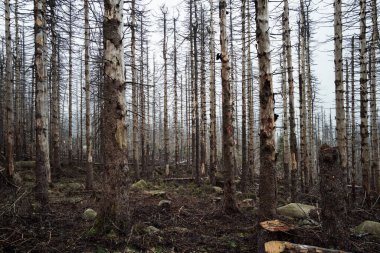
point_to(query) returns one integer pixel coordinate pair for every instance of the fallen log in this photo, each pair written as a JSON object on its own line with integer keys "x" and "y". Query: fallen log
{"x": 281, "y": 246}
{"x": 25, "y": 164}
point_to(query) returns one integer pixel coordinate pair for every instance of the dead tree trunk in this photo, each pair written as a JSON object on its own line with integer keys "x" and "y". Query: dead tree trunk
{"x": 213, "y": 140}
{"x": 353, "y": 123}
{"x": 8, "y": 95}
{"x": 339, "y": 89}
{"x": 115, "y": 130}
{"x": 90, "y": 173}
{"x": 365, "y": 160}
{"x": 292, "y": 122}
{"x": 267, "y": 185}
{"x": 42, "y": 145}
{"x": 332, "y": 187}
{"x": 229, "y": 204}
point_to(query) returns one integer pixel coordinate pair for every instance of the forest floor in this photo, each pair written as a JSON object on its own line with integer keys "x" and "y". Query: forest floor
{"x": 192, "y": 222}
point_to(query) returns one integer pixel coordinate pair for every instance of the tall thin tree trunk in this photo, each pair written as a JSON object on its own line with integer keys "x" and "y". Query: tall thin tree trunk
{"x": 339, "y": 90}
{"x": 303, "y": 113}
{"x": 175, "y": 115}
{"x": 56, "y": 163}
{"x": 292, "y": 123}
{"x": 42, "y": 145}
{"x": 353, "y": 122}
{"x": 229, "y": 204}
{"x": 142, "y": 102}
{"x": 244, "y": 164}
{"x": 70, "y": 140}
{"x": 90, "y": 173}
{"x": 365, "y": 161}
{"x": 375, "y": 167}
{"x": 115, "y": 129}
{"x": 284, "y": 91}
{"x": 203, "y": 97}
{"x": 166, "y": 115}
{"x": 213, "y": 140}
{"x": 251, "y": 120}
{"x": 17, "y": 116}
{"x": 135, "y": 141}
{"x": 8, "y": 95}
{"x": 267, "y": 186}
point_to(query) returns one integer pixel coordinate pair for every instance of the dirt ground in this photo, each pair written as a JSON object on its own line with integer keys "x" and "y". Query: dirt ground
{"x": 192, "y": 222}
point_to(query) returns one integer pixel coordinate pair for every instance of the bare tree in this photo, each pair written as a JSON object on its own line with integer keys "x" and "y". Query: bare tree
{"x": 229, "y": 204}
{"x": 42, "y": 145}
{"x": 90, "y": 177}
{"x": 9, "y": 95}
{"x": 115, "y": 130}
{"x": 267, "y": 185}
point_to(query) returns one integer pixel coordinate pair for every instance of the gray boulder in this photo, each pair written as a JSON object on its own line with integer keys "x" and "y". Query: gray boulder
{"x": 368, "y": 227}
{"x": 296, "y": 210}
{"x": 89, "y": 214}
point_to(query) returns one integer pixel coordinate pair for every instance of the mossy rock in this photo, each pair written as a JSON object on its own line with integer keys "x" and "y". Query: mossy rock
{"x": 217, "y": 189}
{"x": 89, "y": 214}
{"x": 155, "y": 193}
{"x": 151, "y": 230}
{"x": 368, "y": 227}
{"x": 141, "y": 185}
{"x": 295, "y": 210}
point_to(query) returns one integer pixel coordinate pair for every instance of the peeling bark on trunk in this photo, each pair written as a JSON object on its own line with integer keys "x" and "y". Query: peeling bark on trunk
{"x": 114, "y": 115}
{"x": 42, "y": 145}
{"x": 292, "y": 123}
{"x": 267, "y": 188}
{"x": 229, "y": 202}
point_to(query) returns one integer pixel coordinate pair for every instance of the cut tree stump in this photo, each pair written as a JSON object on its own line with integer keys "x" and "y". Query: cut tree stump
{"x": 332, "y": 188}
{"x": 280, "y": 246}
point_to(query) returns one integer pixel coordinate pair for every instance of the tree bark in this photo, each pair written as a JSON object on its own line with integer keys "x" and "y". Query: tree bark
{"x": 8, "y": 96}
{"x": 56, "y": 162}
{"x": 135, "y": 141}
{"x": 70, "y": 140}
{"x": 90, "y": 173}
{"x": 365, "y": 161}
{"x": 332, "y": 187}
{"x": 229, "y": 202}
{"x": 267, "y": 188}
{"x": 213, "y": 137}
{"x": 42, "y": 145}
{"x": 339, "y": 91}
{"x": 353, "y": 123}
{"x": 244, "y": 165}
{"x": 292, "y": 123}
{"x": 375, "y": 168}
{"x": 115, "y": 130}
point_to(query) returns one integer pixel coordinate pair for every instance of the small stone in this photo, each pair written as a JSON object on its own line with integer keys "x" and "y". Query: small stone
{"x": 141, "y": 185}
{"x": 217, "y": 189}
{"x": 155, "y": 193}
{"x": 151, "y": 230}
{"x": 89, "y": 214}
{"x": 368, "y": 227}
{"x": 165, "y": 203}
